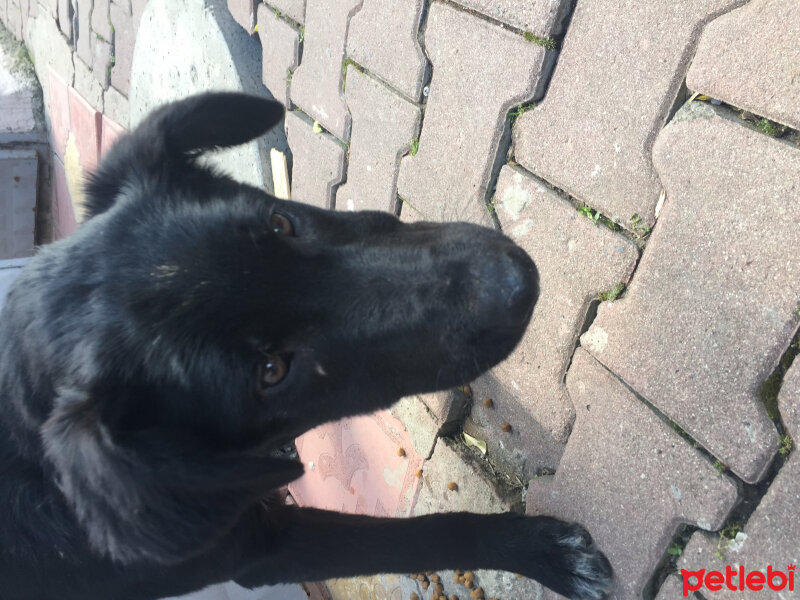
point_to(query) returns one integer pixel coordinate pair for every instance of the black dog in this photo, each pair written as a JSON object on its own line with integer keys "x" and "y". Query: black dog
{"x": 150, "y": 362}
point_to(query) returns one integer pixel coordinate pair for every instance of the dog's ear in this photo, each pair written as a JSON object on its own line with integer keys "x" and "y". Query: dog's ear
{"x": 171, "y": 134}
{"x": 145, "y": 495}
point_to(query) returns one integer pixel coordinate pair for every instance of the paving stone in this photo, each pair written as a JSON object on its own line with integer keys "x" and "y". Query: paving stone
{"x": 244, "y": 12}
{"x": 671, "y": 589}
{"x": 280, "y": 45}
{"x": 101, "y": 62}
{"x": 383, "y": 126}
{"x": 65, "y": 11}
{"x": 628, "y": 478}
{"x": 383, "y": 39}
{"x": 542, "y": 18}
{"x": 593, "y": 133}
{"x": 704, "y": 290}
{"x": 14, "y": 19}
{"x": 51, "y": 55}
{"x": 770, "y": 535}
{"x": 470, "y": 94}
{"x": 294, "y": 9}
{"x": 419, "y": 422}
{"x": 317, "y": 82}
{"x": 51, "y": 6}
{"x": 577, "y": 260}
{"x": 111, "y": 132}
{"x": 20, "y": 99}
{"x": 317, "y": 162}
{"x": 84, "y": 35}
{"x": 117, "y": 107}
{"x": 447, "y": 407}
{"x": 86, "y": 84}
{"x": 353, "y": 466}
{"x": 749, "y": 58}
{"x": 473, "y": 493}
{"x": 186, "y": 47}
{"x": 19, "y": 172}
{"x": 100, "y": 19}
{"x": 126, "y": 28}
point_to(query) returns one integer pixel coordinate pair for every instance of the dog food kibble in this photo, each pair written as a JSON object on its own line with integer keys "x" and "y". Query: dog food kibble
{"x": 418, "y": 473}
{"x": 434, "y": 578}
{"x": 488, "y": 403}
{"x": 424, "y": 585}
{"x": 452, "y": 486}
{"x": 477, "y": 594}
{"x": 467, "y": 390}
{"x": 413, "y": 597}
{"x": 438, "y": 587}
{"x": 401, "y": 452}
{"x": 453, "y": 597}
{"x": 506, "y": 427}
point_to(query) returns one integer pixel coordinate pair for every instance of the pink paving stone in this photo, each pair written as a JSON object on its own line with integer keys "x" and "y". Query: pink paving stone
{"x": 58, "y": 105}
{"x": 111, "y": 131}
{"x": 541, "y": 17}
{"x": 85, "y": 125}
{"x": 244, "y": 13}
{"x": 618, "y": 74}
{"x": 280, "y": 44}
{"x": 576, "y": 260}
{"x": 750, "y": 58}
{"x": 64, "y": 221}
{"x": 318, "y": 162}
{"x": 294, "y": 9}
{"x": 383, "y": 127}
{"x": 711, "y": 309}
{"x": 353, "y": 466}
{"x": 317, "y": 82}
{"x": 479, "y": 72}
{"x": 101, "y": 61}
{"x": 628, "y": 478}
{"x": 383, "y": 39}
{"x": 771, "y": 534}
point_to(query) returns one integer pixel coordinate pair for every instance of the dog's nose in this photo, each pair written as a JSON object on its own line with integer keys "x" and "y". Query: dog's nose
{"x": 508, "y": 287}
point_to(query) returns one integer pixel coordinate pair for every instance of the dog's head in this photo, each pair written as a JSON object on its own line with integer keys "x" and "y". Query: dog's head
{"x": 202, "y": 319}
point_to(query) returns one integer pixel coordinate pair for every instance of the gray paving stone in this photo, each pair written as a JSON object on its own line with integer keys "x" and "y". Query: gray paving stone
{"x": 541, "y": 18}
{"x": 474, "y": 493}
{"x": 101, "y": 61}
{"x": 83, "y": 36}
{"x": 749, "y": 58}
{"x": 704, "y": 290}
{"x": 619, "y": 71}
{"x": 382, "y": 129}
{"x": 280, "y": 45}
{"x": 86, "y": 84}
{"x": 317, "y": 82}
{"x": 14, "y": 19}
{"x": 317, "y": 162}
{"x": 48, "y": 47}
{"x": 419, "y": 422}
{"x": 65, "y": 11}
{"x": 186, "y": 47}
{"x": 19, "y": 172}
{"x": 628, "y": 478}
{"x": 447, "y": 407}
{"x": 577, "y": 260}
{"x": 470, "y": 95}
{"x": 100, "y": 19}
{"x": 671, "y": 589}
{"x": 126, "y": 27}
{"x": 770, "y": 536}
{"x": 244, "y": 13}
{"x": 294, "y": 9}
{"x": 383, "y": 39}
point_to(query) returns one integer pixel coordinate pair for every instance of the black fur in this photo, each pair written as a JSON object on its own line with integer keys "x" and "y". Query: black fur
{"x": 136, "y": 440}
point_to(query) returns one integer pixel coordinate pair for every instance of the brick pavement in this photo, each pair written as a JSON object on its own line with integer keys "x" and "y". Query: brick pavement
{"x": 666, "y": 387}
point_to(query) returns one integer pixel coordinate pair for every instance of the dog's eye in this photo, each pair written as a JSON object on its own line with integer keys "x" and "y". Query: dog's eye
{"x": 271, "y": 371}
{"x": 281, "y": 225}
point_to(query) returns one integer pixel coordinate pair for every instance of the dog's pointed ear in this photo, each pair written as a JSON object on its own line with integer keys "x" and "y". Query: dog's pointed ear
{"x": 145, "y": 495}
{"x": 173, "y": 133}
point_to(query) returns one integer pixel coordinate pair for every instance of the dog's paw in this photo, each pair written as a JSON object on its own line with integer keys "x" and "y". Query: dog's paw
{"x": 576, "y": 568}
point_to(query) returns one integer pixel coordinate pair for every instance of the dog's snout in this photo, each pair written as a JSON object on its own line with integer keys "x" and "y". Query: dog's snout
{"x": 507, "y": 288}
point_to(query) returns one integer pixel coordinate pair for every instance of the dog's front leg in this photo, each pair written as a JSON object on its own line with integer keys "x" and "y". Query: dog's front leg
{"x": 311, "y": 545}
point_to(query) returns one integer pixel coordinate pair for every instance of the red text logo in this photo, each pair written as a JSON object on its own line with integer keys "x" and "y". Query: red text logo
{"x": 738, "y": 579}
